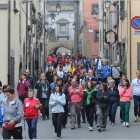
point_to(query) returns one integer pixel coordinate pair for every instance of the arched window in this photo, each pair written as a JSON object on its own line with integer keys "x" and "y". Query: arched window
{"x": 62, "y": 29}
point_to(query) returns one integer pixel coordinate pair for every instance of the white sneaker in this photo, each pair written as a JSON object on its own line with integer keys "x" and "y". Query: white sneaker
{"x": 127, "y": 124}
{"x": 90, "y": 129}
{"x": 58, "y": 138}
{"x": 124, "y": 124}
{"x": 112, "y": 124}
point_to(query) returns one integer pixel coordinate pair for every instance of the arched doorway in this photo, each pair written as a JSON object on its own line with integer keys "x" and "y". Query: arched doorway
{"x": 61, "y": 50}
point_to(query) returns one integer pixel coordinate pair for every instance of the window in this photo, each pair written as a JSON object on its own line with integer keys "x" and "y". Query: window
{"x": 63, "y": 30}
{"x": 52, "y": 36}
{"x": 12, "y": 71}
{"x": 95, "y": 9}
{"x": 96, "y": 36}
{"x": 14, "y": 4}
{"x": 122, "y": 9}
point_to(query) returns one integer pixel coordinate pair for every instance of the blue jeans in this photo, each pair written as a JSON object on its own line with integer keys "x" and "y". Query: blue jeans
{"x": 112, "y": 110}
{"x": 32, "y": 127}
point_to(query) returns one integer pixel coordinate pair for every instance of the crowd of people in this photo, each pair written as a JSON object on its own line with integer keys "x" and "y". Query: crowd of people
{"x": 73, "y": 86}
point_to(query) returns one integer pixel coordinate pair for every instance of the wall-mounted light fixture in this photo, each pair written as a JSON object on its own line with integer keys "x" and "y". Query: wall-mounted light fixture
{"x": 107, "y": 4}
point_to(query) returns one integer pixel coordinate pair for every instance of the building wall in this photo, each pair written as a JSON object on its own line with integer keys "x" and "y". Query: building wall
{"x": 93, "y": 47}
{"x": 135, "y": 10}
{"x": 4, "y": 43}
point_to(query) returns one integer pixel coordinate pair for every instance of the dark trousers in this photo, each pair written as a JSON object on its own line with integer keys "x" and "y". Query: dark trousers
{"x": 65, "y": 115}
{"x": 57, "y": 119}
{"x": 136, "y": 105}
{"x": 22, "y": 98}
{"x": 112, "y": 110}
{"x": 90, "y": 109}
{"x": 16, "y": 133}
{"x": 32, "y": 127}
{"x": 83, "y": 114}
{"x": 45, "y": 107}
{"x": 102, "y": 117}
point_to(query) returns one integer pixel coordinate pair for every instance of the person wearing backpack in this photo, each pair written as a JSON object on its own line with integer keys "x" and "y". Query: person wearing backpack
{"x": 22, "y": 87}
{"x": 116, "y": 73}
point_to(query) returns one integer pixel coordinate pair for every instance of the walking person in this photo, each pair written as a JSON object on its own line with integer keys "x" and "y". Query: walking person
{"x": 125, "y": 97}
{"x": 89, "y": 101}
{"x": 12, "y": 116}
{"x": 29, "y": 78}
{"x": 30, "y": 107}
{"x": 135, "y": 85}
{"x": 116, "y": 73}
{"x": 84, "y": 86}
{"x": 57, "y": 102}
{"x": 76, "y": 94}
{"x": 113, "y": 101}
{"x": 22, "y": 87}
{"x": 43, "y": 94}
{"x": 102, "y": 107}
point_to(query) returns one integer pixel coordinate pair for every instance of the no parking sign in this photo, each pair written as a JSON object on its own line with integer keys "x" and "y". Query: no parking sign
{"x": 135, "y": 22}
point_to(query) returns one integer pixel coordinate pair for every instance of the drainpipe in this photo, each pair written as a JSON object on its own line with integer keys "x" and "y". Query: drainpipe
{"x": 130, "y": 42}
{"x": 26, "y": 32}
{"x": 44, "y": 36}
{"x": 9, "y": 39}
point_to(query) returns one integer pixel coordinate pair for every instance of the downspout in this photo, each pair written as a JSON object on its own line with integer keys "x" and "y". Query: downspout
{"x": 44, "y": 37}
{"x": 26, "y": 32}
{"x": 130, "y": 42}
{"x": 9, "y": 39}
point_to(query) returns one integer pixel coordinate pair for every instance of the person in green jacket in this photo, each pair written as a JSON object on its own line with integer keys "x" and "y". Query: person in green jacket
{"x": 89, "y": 101}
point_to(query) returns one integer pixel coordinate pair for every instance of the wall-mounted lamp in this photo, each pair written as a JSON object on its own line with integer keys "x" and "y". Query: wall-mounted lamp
{"x": 107, "y": 4}
{"x": 58, "y": 8}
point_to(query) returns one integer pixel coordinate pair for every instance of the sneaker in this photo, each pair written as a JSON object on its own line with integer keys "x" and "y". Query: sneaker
{"x": 136, "y": 119}
{"x": 58, "y": 138}
{"x": 73, "y": 127}
{"x": 112, "y": 124}
{"x": 99, "y": 129}
{"x": 127, "y": 124}
{"x": 123, "y": 124}
{"x": 79, "y": 126}
{"x": 90, "y": 129}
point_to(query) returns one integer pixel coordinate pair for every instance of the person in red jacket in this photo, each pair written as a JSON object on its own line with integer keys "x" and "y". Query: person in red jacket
{"x": 30, "y": 107}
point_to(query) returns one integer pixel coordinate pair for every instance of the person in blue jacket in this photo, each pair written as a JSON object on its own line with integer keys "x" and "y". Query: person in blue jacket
{"x": 105, "y": 71}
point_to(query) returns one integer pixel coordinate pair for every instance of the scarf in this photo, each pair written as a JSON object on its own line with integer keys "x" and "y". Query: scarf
{"x": 89, "y": 96}
{"x": 44, "y": 88}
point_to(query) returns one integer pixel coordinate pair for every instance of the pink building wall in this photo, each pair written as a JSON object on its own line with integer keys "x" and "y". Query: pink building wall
{"x": 91, "y": 25}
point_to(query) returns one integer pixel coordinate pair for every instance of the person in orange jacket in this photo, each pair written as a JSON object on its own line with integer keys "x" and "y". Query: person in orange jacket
{"x": 31, "y": 106}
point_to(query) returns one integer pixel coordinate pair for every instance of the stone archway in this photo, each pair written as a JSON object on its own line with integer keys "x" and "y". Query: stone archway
{"x": 53, "y": 47}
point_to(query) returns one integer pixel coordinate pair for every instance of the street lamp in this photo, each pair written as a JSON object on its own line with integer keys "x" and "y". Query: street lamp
{"x": 52, "y": 15}
{"x": 107, "y": 4}
{"x": 58, "y": 8}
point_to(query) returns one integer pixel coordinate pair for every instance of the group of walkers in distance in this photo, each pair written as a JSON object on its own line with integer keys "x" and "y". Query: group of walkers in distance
{"x": 71, "y": 86}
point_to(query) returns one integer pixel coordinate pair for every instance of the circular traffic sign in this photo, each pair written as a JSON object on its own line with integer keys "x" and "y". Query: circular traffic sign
{"x": 135, "y": 22}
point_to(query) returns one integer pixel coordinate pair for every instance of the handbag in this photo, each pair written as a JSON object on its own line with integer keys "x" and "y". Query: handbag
{"x": 9, "y": 127}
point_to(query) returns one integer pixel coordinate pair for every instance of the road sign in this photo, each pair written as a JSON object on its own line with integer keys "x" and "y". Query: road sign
{"x": 136, "y": 32}
{"x": 135, "y": 22}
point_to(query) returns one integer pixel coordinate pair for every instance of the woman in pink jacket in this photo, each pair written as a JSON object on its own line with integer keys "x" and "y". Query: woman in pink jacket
{"x": 125, "y": 97}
